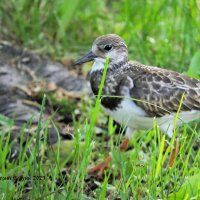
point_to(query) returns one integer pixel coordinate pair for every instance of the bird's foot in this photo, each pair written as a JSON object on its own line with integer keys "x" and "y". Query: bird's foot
{"x": 99, "y": 169}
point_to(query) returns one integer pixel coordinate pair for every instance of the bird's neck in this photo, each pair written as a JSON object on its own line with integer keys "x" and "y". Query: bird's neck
{"x": 97, "y": 73}
{"x": 99, "y": 65}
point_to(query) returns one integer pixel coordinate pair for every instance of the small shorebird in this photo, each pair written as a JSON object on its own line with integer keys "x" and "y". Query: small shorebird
{"x": 149, "y": 92}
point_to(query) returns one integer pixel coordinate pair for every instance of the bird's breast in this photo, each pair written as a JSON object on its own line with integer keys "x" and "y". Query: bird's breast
{"x": 110, "y": 88}
{"x": 127, "y": 112}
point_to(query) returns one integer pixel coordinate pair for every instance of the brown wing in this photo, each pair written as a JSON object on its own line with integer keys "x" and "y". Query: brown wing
{"x": 159, "y": 91}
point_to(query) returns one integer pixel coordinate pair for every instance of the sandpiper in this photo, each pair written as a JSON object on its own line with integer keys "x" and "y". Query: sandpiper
{"x": 149, "y": 92}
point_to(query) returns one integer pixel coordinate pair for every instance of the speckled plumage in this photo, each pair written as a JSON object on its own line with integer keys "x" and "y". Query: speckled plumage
{"x": 155, "y": 92}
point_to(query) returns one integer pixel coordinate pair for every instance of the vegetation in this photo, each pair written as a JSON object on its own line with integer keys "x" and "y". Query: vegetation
{"x": 163, "y": 33}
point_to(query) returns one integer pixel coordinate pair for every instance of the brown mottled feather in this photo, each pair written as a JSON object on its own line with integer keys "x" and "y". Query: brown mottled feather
{"x": 163, "y": 89}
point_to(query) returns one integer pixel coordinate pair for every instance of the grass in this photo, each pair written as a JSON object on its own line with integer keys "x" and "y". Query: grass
{"x": 163, "y": 33}
{"x": 138, "y": 173}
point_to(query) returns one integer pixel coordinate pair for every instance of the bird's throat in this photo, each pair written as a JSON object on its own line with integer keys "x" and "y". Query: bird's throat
{"x": 98, "y": 65}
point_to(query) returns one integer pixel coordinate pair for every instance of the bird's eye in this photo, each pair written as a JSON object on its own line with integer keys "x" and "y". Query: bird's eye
{"x": 108, "y": 47}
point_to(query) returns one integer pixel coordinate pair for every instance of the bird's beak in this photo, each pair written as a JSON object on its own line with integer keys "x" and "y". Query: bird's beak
{"x": 86, "y": 58}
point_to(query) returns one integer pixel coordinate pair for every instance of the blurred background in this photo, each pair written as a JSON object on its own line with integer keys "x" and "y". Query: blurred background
{"x": 162, "y": 32}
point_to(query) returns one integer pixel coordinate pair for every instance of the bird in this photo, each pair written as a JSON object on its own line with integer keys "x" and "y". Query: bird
{"x": 148, "y": 93}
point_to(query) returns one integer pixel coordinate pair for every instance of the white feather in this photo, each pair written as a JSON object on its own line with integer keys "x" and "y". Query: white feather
{"x": 99, "y": 64}
{"x": 135, "y": 117}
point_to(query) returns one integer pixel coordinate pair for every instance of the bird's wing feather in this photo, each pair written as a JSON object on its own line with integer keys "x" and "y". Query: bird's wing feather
{"x": 159, "y": 91}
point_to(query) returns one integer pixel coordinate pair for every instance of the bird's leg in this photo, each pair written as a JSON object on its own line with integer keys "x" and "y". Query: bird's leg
{"x": 124, "y": 144}
{"x": 175, "y": 152}
{"x": 99, "y": 169}
{"x": 128, "y": 136}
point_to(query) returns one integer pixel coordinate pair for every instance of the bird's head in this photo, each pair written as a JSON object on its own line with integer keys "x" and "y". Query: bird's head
{"x": 111, "y": 46}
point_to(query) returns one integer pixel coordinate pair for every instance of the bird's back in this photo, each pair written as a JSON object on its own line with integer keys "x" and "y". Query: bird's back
{"x": 160, "y": 91}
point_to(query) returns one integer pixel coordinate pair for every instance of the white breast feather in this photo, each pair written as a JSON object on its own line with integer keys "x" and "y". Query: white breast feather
{"x": 129, "y": 114}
